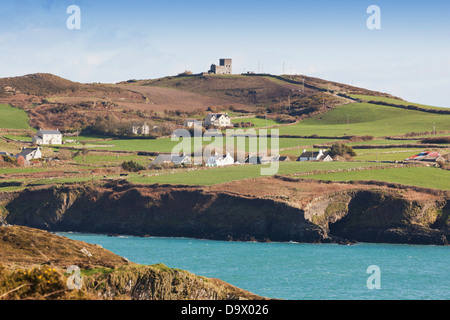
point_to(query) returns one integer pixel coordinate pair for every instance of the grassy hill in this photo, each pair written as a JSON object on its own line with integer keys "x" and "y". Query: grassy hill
{"x": 368, "y": 119}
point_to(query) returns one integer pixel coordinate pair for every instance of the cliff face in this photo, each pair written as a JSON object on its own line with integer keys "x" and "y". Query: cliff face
{"x": 370, "y": 215}
{"x": 160, "y": 211}
{"x": 380, "y": 216}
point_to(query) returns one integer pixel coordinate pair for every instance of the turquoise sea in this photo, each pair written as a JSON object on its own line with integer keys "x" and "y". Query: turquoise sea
{"x": 298, "y": 271}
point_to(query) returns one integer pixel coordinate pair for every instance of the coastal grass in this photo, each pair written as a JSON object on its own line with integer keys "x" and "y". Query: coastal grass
{"x": 427, "y": 177}
{"x": 13, "y": 118}
{"x": 363, "y": 119}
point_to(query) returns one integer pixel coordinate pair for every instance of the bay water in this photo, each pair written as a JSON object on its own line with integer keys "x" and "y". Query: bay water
{"x": 298, "y": 271}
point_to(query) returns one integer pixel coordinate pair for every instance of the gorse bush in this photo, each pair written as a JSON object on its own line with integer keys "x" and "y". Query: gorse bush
{"x": 340, "y": 149}
{"x": 44, "y": 283}
{"x": 132, "y": 166}
{"x": 35, "y": 283}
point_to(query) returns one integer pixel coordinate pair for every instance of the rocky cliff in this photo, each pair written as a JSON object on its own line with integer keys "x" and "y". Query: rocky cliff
{"x": 369, "y": 214}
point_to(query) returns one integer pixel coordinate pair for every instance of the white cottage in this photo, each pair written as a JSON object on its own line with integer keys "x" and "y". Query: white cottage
{"x": 48, "y": 137}
{"x": 220, "y": 160}
{"x": 321, "y": 155}
{"x": 29, "y": 154}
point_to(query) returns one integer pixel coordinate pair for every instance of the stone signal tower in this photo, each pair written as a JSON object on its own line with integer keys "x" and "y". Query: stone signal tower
{"x": 224, "y": 67}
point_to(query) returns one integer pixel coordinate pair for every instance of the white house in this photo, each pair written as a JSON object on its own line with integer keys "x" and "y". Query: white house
{"x": 167, "y": 158}
{"x": 30, "y": 154}
{"x": 218, "y": 120}
{"x": 321, "y": 155}
{"x": 220, "y": 160}
{"x": 48, "y": 137}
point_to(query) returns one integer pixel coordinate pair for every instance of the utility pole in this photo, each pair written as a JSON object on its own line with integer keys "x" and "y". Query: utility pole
{"x": 348, "y": 122}
{"x": 434, "y": 129}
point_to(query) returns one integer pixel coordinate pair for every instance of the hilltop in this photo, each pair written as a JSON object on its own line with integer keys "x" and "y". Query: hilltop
{"x": 51, "y": 101}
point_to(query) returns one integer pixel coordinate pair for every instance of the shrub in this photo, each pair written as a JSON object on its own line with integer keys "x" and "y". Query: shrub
{"x": 185, "y": 73}
{"x": 33, "y": 283}
{"x": 132, "y": 166}
{"x": 9, "y": 159}
{"x": 436, "y": 140}
{"x": 342, "y": 150}
{"x": 284, "y": 118}
{"x": 65, "y": 154}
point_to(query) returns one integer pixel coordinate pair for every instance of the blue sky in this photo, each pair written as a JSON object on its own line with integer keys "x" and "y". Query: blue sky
{"x": 120, "y": 40}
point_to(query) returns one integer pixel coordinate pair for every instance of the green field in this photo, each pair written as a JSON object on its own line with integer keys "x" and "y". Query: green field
{"x": 426, "y": 177}
{"x": 368, "y": 119}
{"x": 166, "y": 145}
{"x": 13, "y": 118}
{"x": 382, "y": 142}
{"x": 382, "y": 155}
{"x": 257, "y": 122}
{"x": 213, "y": 176}
{"x": 393, "y": 101}
{"x": 21, "y": 170}
{"x": 114, "y": 160}
{"x": 18, "y": 137}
